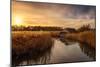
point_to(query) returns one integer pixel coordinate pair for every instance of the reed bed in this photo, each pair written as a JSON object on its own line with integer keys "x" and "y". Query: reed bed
{"x": 87, "y": 37}
{"x": 30, "y": 45}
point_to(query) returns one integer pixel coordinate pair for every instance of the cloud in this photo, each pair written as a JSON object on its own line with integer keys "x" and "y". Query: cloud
{"x": 53, "y": 14}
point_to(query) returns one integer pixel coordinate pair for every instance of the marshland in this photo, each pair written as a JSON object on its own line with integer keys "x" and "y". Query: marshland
{"x": 53, "y": 45}
{"x": 48, "y": 33}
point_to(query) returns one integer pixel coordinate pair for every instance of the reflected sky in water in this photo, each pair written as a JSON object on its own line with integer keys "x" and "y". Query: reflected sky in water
{"x": 67, "y": 53}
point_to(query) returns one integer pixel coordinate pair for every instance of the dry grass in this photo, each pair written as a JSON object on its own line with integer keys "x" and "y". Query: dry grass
{"x": 27, "y": 44}
{"x": 87, "y": 37}
{"x": 36, "y": 33}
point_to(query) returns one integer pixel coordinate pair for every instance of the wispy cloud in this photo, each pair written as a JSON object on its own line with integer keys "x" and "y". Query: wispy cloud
{"x": 52, "y": 14}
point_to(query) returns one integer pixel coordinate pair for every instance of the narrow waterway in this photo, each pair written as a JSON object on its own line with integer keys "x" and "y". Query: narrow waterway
{"x": 63, "y": 51}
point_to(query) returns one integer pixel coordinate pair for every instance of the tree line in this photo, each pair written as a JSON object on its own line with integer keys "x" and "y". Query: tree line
{"x": 49, "y": 28}
{"x": 36, "y": 28}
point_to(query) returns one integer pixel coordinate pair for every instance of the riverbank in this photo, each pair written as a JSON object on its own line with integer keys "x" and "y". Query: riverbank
{"x": 87, "y": 37}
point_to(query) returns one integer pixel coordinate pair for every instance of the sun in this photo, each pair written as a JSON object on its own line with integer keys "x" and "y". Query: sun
{"x": 18, "y": 20}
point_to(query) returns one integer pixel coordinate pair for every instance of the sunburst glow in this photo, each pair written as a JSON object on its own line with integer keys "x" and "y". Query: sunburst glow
{"x": 18, "y": 20}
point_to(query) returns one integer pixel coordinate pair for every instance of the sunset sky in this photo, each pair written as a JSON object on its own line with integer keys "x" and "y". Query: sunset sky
{"x": 46, "y": 14}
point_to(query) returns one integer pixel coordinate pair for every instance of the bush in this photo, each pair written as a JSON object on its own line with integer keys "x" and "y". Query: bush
{"x": 84, "y": 28}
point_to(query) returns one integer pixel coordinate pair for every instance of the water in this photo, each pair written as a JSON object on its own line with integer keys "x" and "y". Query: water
{"x": 68, "y": 53}
{"x": 62, "y": 51}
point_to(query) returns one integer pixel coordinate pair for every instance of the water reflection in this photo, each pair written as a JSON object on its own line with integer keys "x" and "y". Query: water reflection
{"x": 66, "y": 41}
{"x": 71, "y": 52}
{"x": 89, "y": 51}
{"x": 59, "y": 51}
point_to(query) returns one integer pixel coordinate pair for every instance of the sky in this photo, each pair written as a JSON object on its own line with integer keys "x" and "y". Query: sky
{"x": 52, "y": 14}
